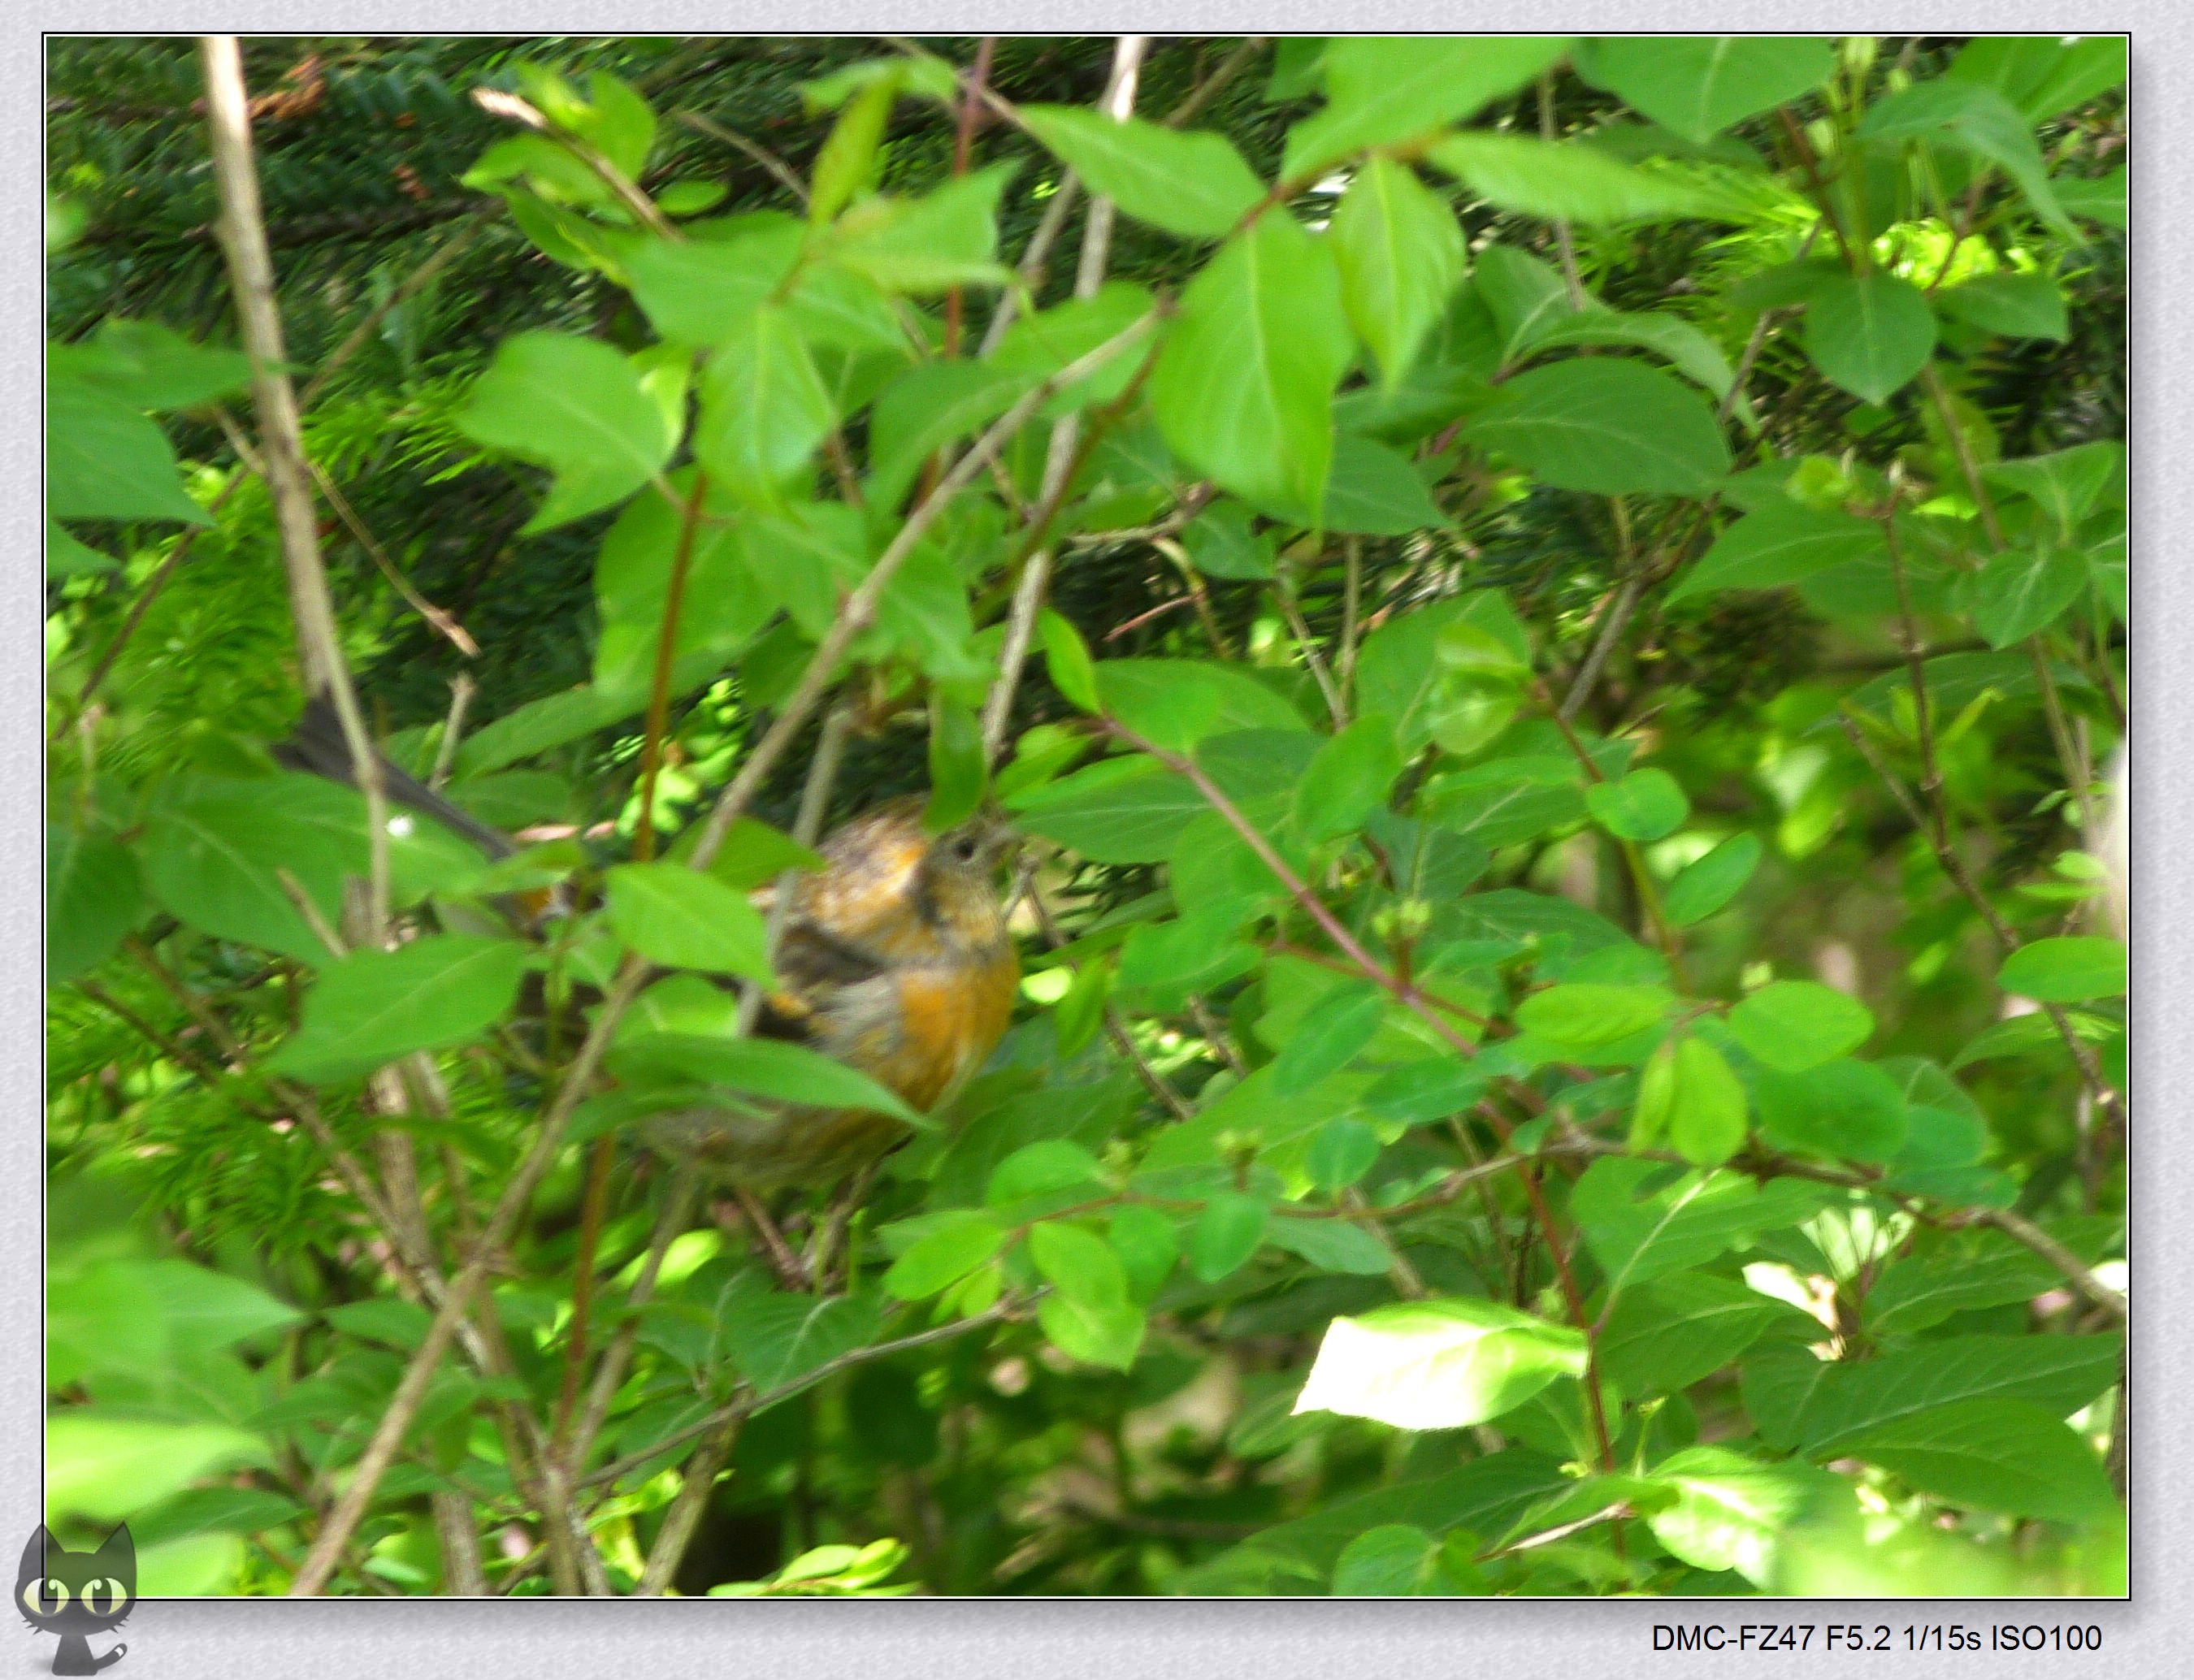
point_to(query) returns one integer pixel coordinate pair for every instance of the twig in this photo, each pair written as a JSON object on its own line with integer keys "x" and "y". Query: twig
{"x": 1618, "y": 616}
{"x": 971, "y": 99}
{"x": 443, "y": 256}
{"x": 293, "y": 890}
{"x": 461, "y": 689}
{"x": 244, "y": 238}
{"x": 434, "y": 616}
{"x": 677, "y": 1211}
{"x": 1291, "y": 609}
{"x": 684, "y": 1516}
{"x": 1208, "y": 89}
{"x": 1563, "y": 238}
{"x": 513, "y": 109}
{"x": 1352, "y": 613}
{"x": 761, "y": 154}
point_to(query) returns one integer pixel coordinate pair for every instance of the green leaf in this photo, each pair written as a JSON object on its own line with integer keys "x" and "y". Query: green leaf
{"x": 1915, "y": 1295}
{"x": 1081, "y": 1012}
{"x": 2066, "y": 484}
{"x": 1795, "y": 1025}
{"x": 1243, "y": 390}
{"x": 1640, "y": 1225}
{"x": 847, "y": 160}
{"x": 2023, "y": 591}
{"x": 2065, "y": 971}
{"x": 1225, "y": 1234}
{"x": 1066, "y": 661}
{"x": 1344, "y": 1022}
{"x": 2042, "y": 74}
{"x": 1148, "y": 1247}
{"x": 1220, "y": 544}
{"x": 957, "y": 772}
{"x": 1846, "y": 1109}
{"x": 1686, "y": 349}
{"x": 1699, "y": 85}
{"x": 683, "y": 918}
{"x": 1332, "y": 1246}
{"x": 1180, "y": 703}
{"x": 92, "y": 898}
{"x": 1784, "y": 543}
{"x": 1975, "y": 119}
{"x": 66, "y": 557}
{"x": 1438, "y": 1364}
{"x": 2101, "y": 199}
{"x": 1347, "y": 780}
{"x": 1585, "y": 1015}
{"x": 2033, "y": 1033}
{"x": 144, "y": 365}
{"x": 723, "y": 604}
{"x": 1661, "y": 1337}
{"x": 1732, "y": 1512}
{"x": 1398, "y": 1560}
{"x": 103, "y": 1467}
{"x": 758, "y": 1066}
{"x": 106, "y": 461}
{"x": 1374, "y": 492}
{"x": 2007, "y": 1456}
{"x": 1079, "y": 1264}
{"x": 370, "y": 1007}
{"x": 1109, "y": 1333}
{"x": 1687, "y": 1094}
{"x": 1822, "y": 1405}
{"x": 948, "y": 238}
{"x": 1341, "y": 1151}
{"x": 1707, "y": 883}
{"x": 1381, "y": 89}
{"x": 1645, "y": 804}
{"x": 400, "y": 1324}
{"x": 2015, "y": 306}
{"x": 212, "y": 1511}
{"x": 944, "y": 1255}
{"x": 1036, "y": 1169}
{"x": 1871, "y": 334}
{"x": 1608, "y": 425}
{"x": 1193, "y": 184}
{"x": 1121, "y": 811}
{"x": 578, "y": 408}
{"x": 1401, "y": 257}
{"x": 1564, "y": 182}
{"x": 206, "y": 1309}
{"x": 763, "y": 409}
{"x": 776, "y": 1338}
{"x": 1401, "y": 676}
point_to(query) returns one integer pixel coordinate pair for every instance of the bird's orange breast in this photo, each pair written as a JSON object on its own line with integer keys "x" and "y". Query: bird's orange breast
{"x": 951, "y": 1019}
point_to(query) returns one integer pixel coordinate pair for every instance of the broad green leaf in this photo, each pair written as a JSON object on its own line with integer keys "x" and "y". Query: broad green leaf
{"x": 1067, "y": 663}
{"x": 2006, "y": 1455}
{"x": 1784, "y": 543}
{"x": 1707, "y": 883}
{"x": 2042, "y": 74}
{"x": 1148, "y": 1247}
{"x": 1381, "y": 89}
{"x": 1225, "y": 1234}
{"x": 145, "y": 365}
{"x": 2023, "y": 591}
{"x": 210, "y": 1510}
{"x": 722, "y": 605}
{"x": 1846, "y": 1109}
{"x": 1036, "y": 347}
{"x": 944, "y": 1255}
{"x": 1193, "y": 184}
{"x": 1699, "y": 85}
{"x": 2101, "y": 199}
{"x": 1332, "y": 1246}
{"x": 1341, "y": 1152}
{"x": 928, "y": 407}
{"x": 1221, "y": 544}
{"x": 1336, "y": 1033}
{"x": 1523, "y": 295}
{"x": 1108, "y": 1333}
{"x": 1915, "y": 1295}
{"x": 1976, "y": 119}
{"x": 1081, "y": 1265}
{"x": 2066, "y": 484}
{"x": 2016, "y": 306}
{"x": 1401, "y": 257}
{"x": 957, "y": 772}
{"x": 1401, "y": 676}
{"x": 948, "y": 238}
{"x": 1243, "y": 387}
{"x": 1838, "y": 1401}
{"x": 106, "y": 461}
{"x": 1431, "y": 1089}
{"x": 1564, "y": 182}
{"x": 1048, "y": 1164}
{"x": 1608, "y": 425}
{"x": 1641, "y": 1225}
{"x": 705, "y": 289}
{"x": 1438, "y": 1364}
{"x": 206, "y": 1309}
{"x": 683, "y": 918}
{"x": 1664, "y": 1336}
{"x": 1347, "y": 780}
{"x": 92, "y": 898}
{"x": 1795, "y": 1025}
{"x": 761, "y": 1067}
{"x": 1586, "y": 1016}
{"x": 2032, "y": 1034}
{"x": 776, "y": 1338}
{"x": 102, "y": 1467}
{"x": 2065, "y": 971}
{"x": 578, "y": 408}
{"x": 1374, "y": 492}
{"x": 66, "y": 557}
{"x": 1687, "y": 1094}
{"x": 370, "y": 1007}
{"x": 847, "y": 160}
{"x": 1121, "y": 811}
{"x": 1178, "y": 704}
{"x": 1645, "y": 804}
{"x": 1685, "y": 347}
{"x": 763, "y": 408}
{"x": 1732, "y": 1512}
{"x": 1398, "y": 1560}
{"x": 1871, "y": 336}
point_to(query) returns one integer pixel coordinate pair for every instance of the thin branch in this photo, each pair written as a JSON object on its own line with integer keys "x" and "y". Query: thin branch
{"x": 435, "y": 617}
{"x": 461, "y": 689}
{"x": 609, "y": 1375}
{"x": 761, "y": 154}
{"x": 1563, "y": 238}
{"x": 1208, "y": 89}
{"x": 684, "y": 1517}
{"x": 513, "y": 109}
{"x": 443, "y": 256}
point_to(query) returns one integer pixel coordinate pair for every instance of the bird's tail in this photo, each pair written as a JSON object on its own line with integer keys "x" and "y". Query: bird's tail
{"x": 317, "y": 746}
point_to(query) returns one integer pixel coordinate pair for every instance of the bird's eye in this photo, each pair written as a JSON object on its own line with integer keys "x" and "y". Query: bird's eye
{"x": 965, "y": 848}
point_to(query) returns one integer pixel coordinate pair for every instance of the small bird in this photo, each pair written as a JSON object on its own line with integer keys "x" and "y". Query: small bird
{"x": 895, "y": 960}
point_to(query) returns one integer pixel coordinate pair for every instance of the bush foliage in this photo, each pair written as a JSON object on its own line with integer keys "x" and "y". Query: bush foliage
{"x": 1574, "y": 593}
